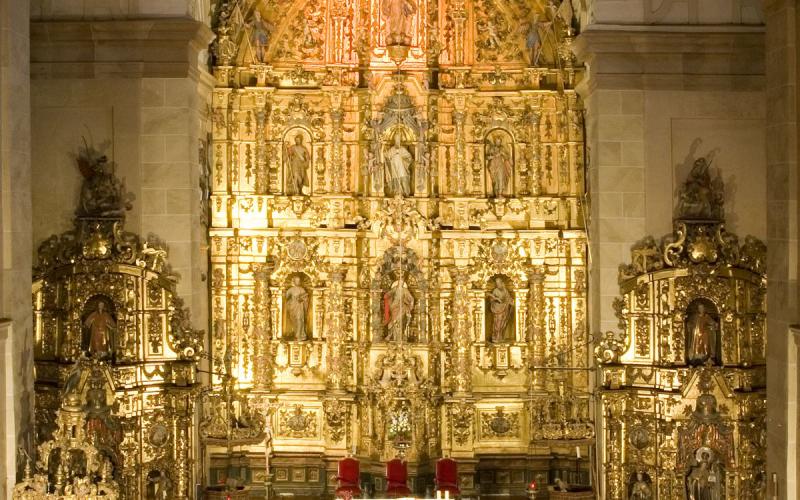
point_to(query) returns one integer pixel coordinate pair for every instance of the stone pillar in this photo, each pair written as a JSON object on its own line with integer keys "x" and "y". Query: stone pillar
{"x": 15, "y": 233}
{"x": 782, "y": 246}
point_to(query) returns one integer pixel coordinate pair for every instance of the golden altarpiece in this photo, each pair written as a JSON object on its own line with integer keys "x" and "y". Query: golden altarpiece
{"x": 115, "y": 358}
{"x": 682, "y": 387}
{"x": 398, "y": 246}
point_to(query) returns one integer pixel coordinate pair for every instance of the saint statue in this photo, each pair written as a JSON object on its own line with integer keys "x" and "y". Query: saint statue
{"x": 260, "y": 31}
{"x": 704, "y": 481}
{"x": 398, "y": 162}
{"x": 501, "y": 305}
{"x": 158, "y": 485}
{"x": 498, "y": 161}
{"x": 398, "y": 15}
{"x": 298, "y": 159}
{"x": 398, "y": 303}
{"x": 100, "y": 324}
{"x": 641, "y": 489}
{"x": 297, "y": 308}
{"x": 702, "y": 329}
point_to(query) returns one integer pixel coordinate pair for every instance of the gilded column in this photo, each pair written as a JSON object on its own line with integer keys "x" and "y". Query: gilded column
{"x": 462, "y": 333}
{"x": 537, "y": 341}
{"x": 534, "y": 151}
{"x": 337, "y": 120}
{"x": 614, "y": 486}
{"x": 460, "y": 119}
{"x": 262, "y": 148}
{"x": 183, "y": 410}
{"x": 335, "y": 334}
{"x": 262, "y": 326}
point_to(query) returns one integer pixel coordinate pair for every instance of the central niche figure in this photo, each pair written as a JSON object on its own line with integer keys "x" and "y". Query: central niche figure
{"x": 500, "y": 165}
{"x": 398, "y": 304}
{"x": 398, "y": 165}
{"x": 297, "y": 308}
{"x": 705, "y": 480}
{"x": 298, "y": 160}
{"x": 398, "y": 15}
{"x": 501, "y": 308}
{"x": 702, "y": 330}
{"x": 99, "y": 326}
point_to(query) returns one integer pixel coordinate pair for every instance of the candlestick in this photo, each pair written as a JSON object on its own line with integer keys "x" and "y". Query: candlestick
{"x": 578, "y": 452}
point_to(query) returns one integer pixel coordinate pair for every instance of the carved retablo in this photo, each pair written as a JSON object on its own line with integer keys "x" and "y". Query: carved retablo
{"x": 398, "y": 250}
{"x": 683, "y": 385}
{"x": 116, "y": 357}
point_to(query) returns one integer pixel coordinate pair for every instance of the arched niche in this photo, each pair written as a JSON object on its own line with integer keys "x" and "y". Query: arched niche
{"x": 399, "y": 271}
{"x": 702, "y": 331}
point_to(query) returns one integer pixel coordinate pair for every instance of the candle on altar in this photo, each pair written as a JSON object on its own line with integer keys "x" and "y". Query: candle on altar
{"x": 578, "y": 452}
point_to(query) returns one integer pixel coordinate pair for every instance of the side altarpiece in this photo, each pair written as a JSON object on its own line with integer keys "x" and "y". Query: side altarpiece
{"x": 683, "y": 385}
{"x": 116, "y": 358}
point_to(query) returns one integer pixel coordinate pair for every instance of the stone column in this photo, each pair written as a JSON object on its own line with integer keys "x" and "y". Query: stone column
{"x": 15, "y": 231}
{"x": 782, "y": 246}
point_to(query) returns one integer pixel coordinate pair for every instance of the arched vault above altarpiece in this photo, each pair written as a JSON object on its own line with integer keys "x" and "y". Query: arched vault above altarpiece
{"x": 316, "y": 33}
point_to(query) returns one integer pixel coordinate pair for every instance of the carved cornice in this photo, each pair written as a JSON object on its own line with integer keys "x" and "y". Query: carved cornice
{"x": 629, "y": 57}
{"x": 153, "y": 48}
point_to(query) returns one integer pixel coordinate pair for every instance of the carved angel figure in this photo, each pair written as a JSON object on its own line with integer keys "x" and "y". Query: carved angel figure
{"x": 298, "y": 159}
{"x": 498, "y": 160}
{"x": 501, "y": 305}
{"x": 398, "y": 168}
{"x": 297, "y": 308}
{"x": 398, "y": 15}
